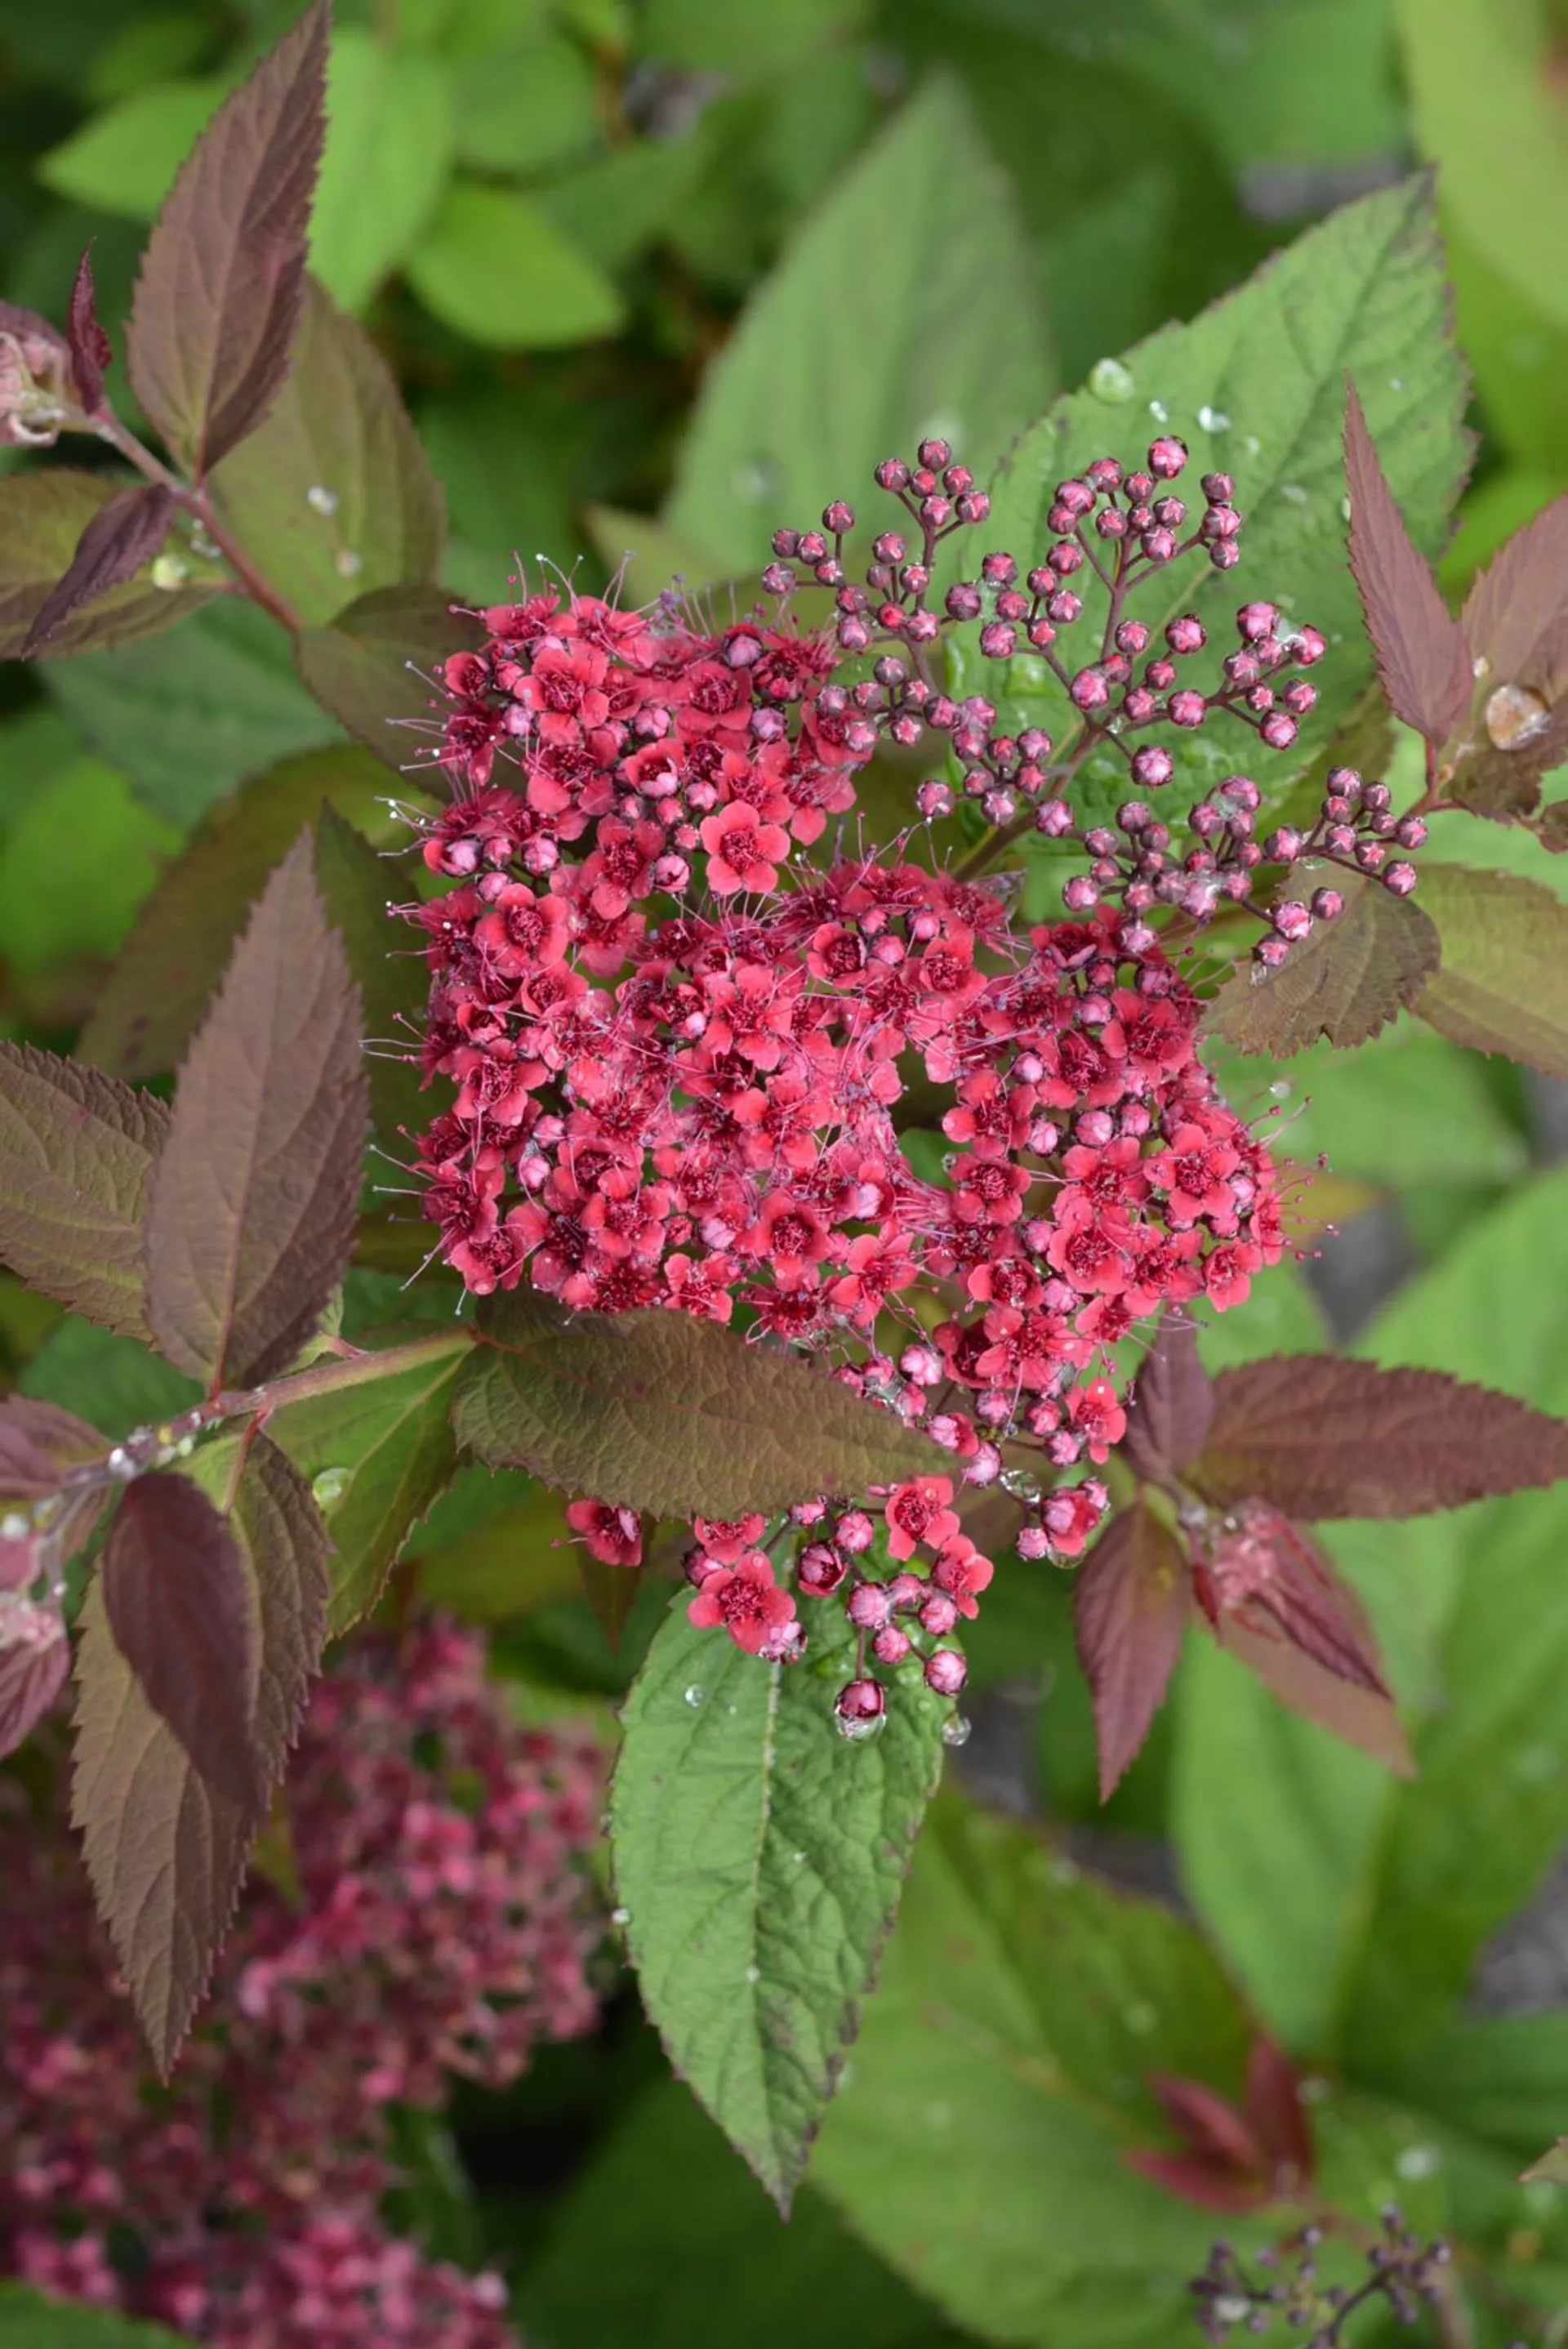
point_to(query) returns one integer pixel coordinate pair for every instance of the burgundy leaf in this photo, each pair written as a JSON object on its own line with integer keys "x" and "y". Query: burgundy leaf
{"x": 1171, "y": 1405}
{"x": 34, "y": 1661}
{"x": 121, "y": 538}
{"x": 1346, "y": 980}
{"x": 42, "y": 518}
{"x": 91, "y": 350}
{"x": 1261, "y": 1570}
{"x": 217, "y": 302}
{"x": 178, "y": 1596}
{"x": 1322, "y": 1437}
{"x": 37, "y": 1440}
{"x": 1422, "y": 656}
{"x": 1514, "y": 613}
{"x": 1129, "y": 1603}
{"x": 250, "y": 1215}
{"x": 1276, "y": 2114}
{"x": 1199, "y": 2177}
{"x": 1360, "y": 1716}
{"x": 1210, "y": 2122}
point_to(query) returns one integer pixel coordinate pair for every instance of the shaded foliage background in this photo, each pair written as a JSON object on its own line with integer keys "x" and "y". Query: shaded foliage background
{"x": 551, "y": 215}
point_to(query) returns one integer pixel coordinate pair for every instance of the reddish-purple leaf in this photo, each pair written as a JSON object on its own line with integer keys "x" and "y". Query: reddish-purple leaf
{"x": 1200, "y": 2177}
{"x": 1277, "y": 2114}
{"x": 1361, "y": 1716}
{"x": 1130, "y": 1604}
{"x": 1346, "y": 980}
{"x": 249, "y": 1218}
{"x": 1210, "y": 2122}
{"x": 1504, "y": 983}
{"x": 1322, "y": 1437}
{"x": 1422, "y": 657}
{"x": 1261, "y": 1570}
{"x": 121, "y": 537}
{"x": 43, "y": 516}
{"x": 180, "y": 1604}
{"x": 37, "y": 1439}
{"x": 1521, "y": 600}
{"x": 34, "y": 1662}
{"x": 374, "y": 666}
{"x": 77, "y": 1149}
{"x": 217, "y": 302}
{"x": 165, "y": 1850}
{"x": 91, "y": 350}
{"x": 1171, "y": 1405}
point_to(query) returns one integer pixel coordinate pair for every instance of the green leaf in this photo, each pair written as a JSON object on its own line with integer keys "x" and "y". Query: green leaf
{"x": 614, "y": 206}
{"x": 527, "y": 106}
{"x": 371, "y": 667}
{"x": 1502, "y": 2077}
{"x": 662, "y": 1412}
{"x": 124, "y": 160}
{"x": 1001, "y": 2078}
{"x": 1504, "y": 983}
{"x": 187, "y": 719}
{"x": 77, "y": 1153}
{"x": 1364, "y": 291}
{"x": 117, "y": 1384}
{"x": 250, "y": 1215}
{"x": 33, "y": 2320}
{"x": 332, "y": 495}
{"x": 515, "y": 1562}
{"x": 389, "y": 148}
{"x": 761, "y": 1855}
{"x": 393, "y": 982}
{"x": 42, "y": 516}
{"x": 218, "y": 299}
{"x": 1360, "y": 1929}
{"x": 153, "y": 999}
{"x": 377, "y": 1456}
{"x": 165, "y": 1851}
{"x": 495, "y": 267}
{"x": 749, "y": 40}
{"x": 666, "y": 2240}
{"x": 654, "y": 556}
{"x": 905, "y": 306}
{"x": 76, "y": 866}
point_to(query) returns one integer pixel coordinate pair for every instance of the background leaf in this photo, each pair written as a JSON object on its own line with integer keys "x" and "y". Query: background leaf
{"x": 356, "y": 883}
{"x": 30, "y": 2320}
{"x": 1504, "y": 983}
{"x": 373, "y": 668}
{"x": 250, "y": 1213}
{"x": 389, "y": 147}
{"x": 496, "y": 266}
{"x": 658, "y": 1411}
{"x": 761, "y": 1855}
{"x": 790, "y": 417}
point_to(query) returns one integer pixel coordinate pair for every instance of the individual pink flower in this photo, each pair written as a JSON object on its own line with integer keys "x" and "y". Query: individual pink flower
{"x": 746, "y": 1599}
{"x": 614, "y": 1536}
{"x": 742, "y": 852}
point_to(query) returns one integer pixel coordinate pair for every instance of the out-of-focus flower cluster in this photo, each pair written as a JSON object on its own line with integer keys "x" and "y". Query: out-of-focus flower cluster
{"x": 441, "y": 1920}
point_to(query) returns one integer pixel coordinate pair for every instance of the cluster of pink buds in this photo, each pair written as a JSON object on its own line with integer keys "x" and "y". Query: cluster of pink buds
{"x": 681, "y": 1048}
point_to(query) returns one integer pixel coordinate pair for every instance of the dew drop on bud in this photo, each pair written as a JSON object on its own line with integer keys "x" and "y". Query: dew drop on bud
{"x": 1111, "y": 382}
{"x": 1515, "y": 714}
{"x": 956, "y": 1729}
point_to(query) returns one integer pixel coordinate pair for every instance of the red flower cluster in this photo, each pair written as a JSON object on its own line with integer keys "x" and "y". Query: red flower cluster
{"x": 682, "y": 1053}
{"x": 444, "y": 1923}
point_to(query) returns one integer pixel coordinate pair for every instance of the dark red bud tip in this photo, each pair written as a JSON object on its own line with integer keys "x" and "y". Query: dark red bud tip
{"x": 935, "y": 455}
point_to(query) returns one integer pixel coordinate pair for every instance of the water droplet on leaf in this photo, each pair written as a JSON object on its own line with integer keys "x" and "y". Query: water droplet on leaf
{"x": 697, "y": 1694}
{"x": 1294, "y": 493}
{"x": 1280, "y": 1089}
{"x": 1516, "y": 714}
{"x": 1110, "y": 381}
{"x": 348, "y": 563}
{"x": 1020, "y": 1483}
{"x": 755, "y": 481}
{"x": 859, "y": 1730}
{"x": 1160, "y": 412}
{"x": 169, "y": 571}
{"x": 620, "y": 1916}
{"x": 1418, "y": 2160}
{"x": 956, "y": 1729}
{"x": 320, "y": 500}
{"x": 329, "y": 1484}
{"x": 754, "y": 1973}
{"x": 1213, "y": 419}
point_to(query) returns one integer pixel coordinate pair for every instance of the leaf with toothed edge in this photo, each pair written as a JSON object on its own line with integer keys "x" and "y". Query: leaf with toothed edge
{"x": 1346, "y": 980}
{"x": 1130, "y": 1605}
{"x": 1171, "y": 1404}
{"x": 760, "y": 1857}
{"x": 376, "y": 668}
{"x": 1502, "y": 986}
{"x": 77, "y": 1152}
{"x": 121, "y": 540}
{"x": 43, "y": 517}
{"x": 1422, "y": 656}
{"x": 165, "y": 1851}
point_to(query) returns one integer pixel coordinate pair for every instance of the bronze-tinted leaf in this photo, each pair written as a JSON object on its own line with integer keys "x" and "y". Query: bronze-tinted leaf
{"x": 373, "y": 669}
{"x": 1521, "y": 599}
{"x": 333, "y": 496}
{"x": 1361, "y": 1716}
{"x": 1519, "y": 735}
{"x": 43, "y": 517}
{"x": 1345, "y": 981}
{"x": 1422, "y": 657}
{"x": 661, "y": 1412}
{"x": 1504, "y": 983}
{"x": 1552, "y": 829}
{"x": 153, "y": 998}
{"x": 164, "y": 1849}
{"x": 90, "y": 349}
{"x": 179, "y": 1603}
{"x": 122, "y": 537}
{"x": 251, "y": 1215}
{"x": 393, "y": 982}
{"x": 1548, "y": 2168}
{"x": 1130, "y": 1601}
{"x": 1171, "y": 1403}
{"x": 37, "y": 1439}
{"x": 77, "y": 1149}
{"x": 218, "y": 301}
{"x": 34, "y": 1664}
{"x": 1323, "y": 1436}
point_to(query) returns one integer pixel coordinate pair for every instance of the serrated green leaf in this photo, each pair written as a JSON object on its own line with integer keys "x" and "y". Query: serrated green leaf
{"x": 189, "y": 717}
{"x": 32, "y": 2319}
{"x": 332, "y": 495}
{"x": 791, "y": 415}
{"x": 1364, "y": 291}
{"x": 662, "y": 1412}
{"x": 495, "y": 266}
{"x": 153, "y": 999}
{"x": 761, "y": 1855}
{"x": 1504, "y": 983}
{"x": 393, "y": 982}
{"x": 388, "y": 149}
{"x": 1001, "y": 2078}
{"x": 375, "y": 1457}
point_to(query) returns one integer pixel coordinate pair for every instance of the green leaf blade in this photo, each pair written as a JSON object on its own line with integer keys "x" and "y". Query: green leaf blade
{"x": 761, "y": 1855}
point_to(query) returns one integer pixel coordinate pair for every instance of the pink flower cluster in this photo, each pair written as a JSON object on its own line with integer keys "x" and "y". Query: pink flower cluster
{"x": 442, "y": 1922}
{"x": 682, "y": 1053}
